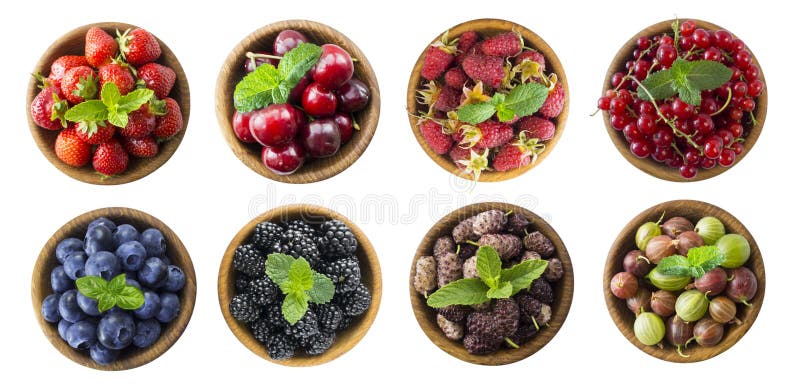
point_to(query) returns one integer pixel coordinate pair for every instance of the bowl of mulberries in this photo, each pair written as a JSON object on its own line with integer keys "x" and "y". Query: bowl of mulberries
{"x": 491, "y": 283}
{"x": 300, "y": 285}
{"x": 487, "y": 100}
{"x": 113, "y": 289}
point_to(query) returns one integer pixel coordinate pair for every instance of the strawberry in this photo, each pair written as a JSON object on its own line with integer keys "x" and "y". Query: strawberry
{"x": 531, "y": 55}
{"x": 100, "y": 47}
{"x": 466, "y": 42}
{"x": 455, "y": 77}
{"x": 138, "y": 46}
{"x": 494, "y": 134}
{"x": 110, "y": 158}
{"x": 95, "y": 133}
{"x": 517, "y": 154}
{"x": 141, "y": 147}
{"x": 433, "y": 134}
{"x": 61, "y": 65}
{"x": 438, "y": 57}
{"x": 71, "y": 149}
{"x": 554, "y": 103}
{"x": 537, "y": 127}
{"x": 449, "y": 99}
{"x": 48, "y": 108}
{"x": 140, "y": 123}
{"x": 118, "y": 74}
{"x": 79, "y": 83}
{"x": 158, "y": 78}
{"x": 503, "y": 45}
{"x": 486, "y": 69}
{"x": 171, "y": 122}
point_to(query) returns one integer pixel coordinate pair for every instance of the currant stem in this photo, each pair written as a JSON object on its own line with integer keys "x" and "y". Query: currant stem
{"x": 727, "y": 101}
{"x": 664, "y": 118}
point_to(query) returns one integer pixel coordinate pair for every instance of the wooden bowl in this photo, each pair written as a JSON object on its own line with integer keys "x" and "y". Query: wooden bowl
{"x": 315, "y": 169}
{"x": 130, "y": 357}
{"x": 73, "y": 43}
{"x": 426, "y": 316}
{"x": 370, "y": 276}
{"x": 692, "y": 210}
{"x": 486, "y": 28}
{"x": 650, "y": 166}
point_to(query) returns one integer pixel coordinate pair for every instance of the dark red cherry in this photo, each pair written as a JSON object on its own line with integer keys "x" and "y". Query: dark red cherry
{"x": 284, "y": 159}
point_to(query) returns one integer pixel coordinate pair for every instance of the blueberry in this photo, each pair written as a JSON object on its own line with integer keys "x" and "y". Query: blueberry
{"x": 124, "y": 233}
{"x": 103, "y": 355}
{"x": 153, "y": 241}
{"x": 132, "y": 255}
{"x": 59, "y": 280}
{"x": 68, "y": 306}
{"x": 50, "y": 310}
{"x": 66, "y": 247}
{"x": 103, "y": 264}
{"x": 151, "y": 306}
{"x": 104, "y": 221}
{"x": 82, "y": 335}
{"x": 116, "y": 330}
{"x": 75, "y": 264}
{"x": 153, "y": 273}
{"x": 88, "y": 306}
{"x": 63, "y": 325}
{"x": 132, "y": 281}
{"x": 166, "y": 260}
{"x": 147, "y": 333}
{"x": 98, "y": 238}
{"x": 170, "y": 306}
{"x": 175, "y": 279}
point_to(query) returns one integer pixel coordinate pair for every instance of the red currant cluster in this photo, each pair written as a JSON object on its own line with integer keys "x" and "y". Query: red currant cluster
{"x": 671, "y": 131}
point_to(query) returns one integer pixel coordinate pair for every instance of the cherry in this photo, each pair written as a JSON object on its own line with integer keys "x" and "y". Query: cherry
{"x": 687, "y": 28}
{"x": 641, "y": 149}
{"x": 693, "y": 157}
{"x": 604, "y": 103}
{"x": 646, "y": 124}
{"x": 663, "y": 137}
{"x": 296, "y": 95}
{"x": 742, "y": 59}
{"x": 681, "y": 109}
{"x": 276, "y": 124}
{"x": 321, "y": 137}
{"x": 713, "y": 147}
{"x": 688, "y": 172}
{"x": 727, "y": 157}
{"x": 754, "y": 88}
{"x": 286, "y": 41}
{"x": 241, "y": 127}
{"x": 345, "y": 124}
{"x": 318, "y": 101}
{"x": 334, "y": 67}
{"x": 353, "y": 96}
{"x": 666, "y": 54}
{"x": 251, "y": 64}
{"x": 284, "y": 159}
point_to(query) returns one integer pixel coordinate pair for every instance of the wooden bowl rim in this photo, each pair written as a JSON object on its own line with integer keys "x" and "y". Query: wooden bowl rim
{"x": 565, "y": 290}
{"x": 648, "y": 165}
{"x": 619, "y": 312}
{"x": 553, "y": 64}
{"x": 179, "y": 255}
{"x": 320, "y": 169}
{"x": 144, "y": 167}
{"x": 368, "y": 260}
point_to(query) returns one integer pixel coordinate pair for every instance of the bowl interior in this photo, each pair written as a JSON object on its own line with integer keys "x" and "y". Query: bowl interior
{"x": 692, "y": 210}
{"x": 650, "y": 166}
{"x": 370, "y": 276}
{"x": 486, "y": 28}
{"x": 426, "y": 316}
{"x": 73, "y": 43}
{"x": 316, "y": 169}
{"x": 130, "y": 357}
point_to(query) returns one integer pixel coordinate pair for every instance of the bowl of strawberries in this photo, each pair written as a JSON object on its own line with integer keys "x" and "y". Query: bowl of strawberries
{"x": 488, "y": 100}
{"x": 108, "y": 103}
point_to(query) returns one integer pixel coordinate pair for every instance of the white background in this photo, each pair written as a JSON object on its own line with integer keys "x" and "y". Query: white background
{"x": 586, "y": 189}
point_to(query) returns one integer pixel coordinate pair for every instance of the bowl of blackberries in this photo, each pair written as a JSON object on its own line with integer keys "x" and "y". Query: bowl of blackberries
{"x": 297, "y": 101}
{"x": 300, "y": 285}
{"x": 491, "y": 283}
{"x": 684, "y": 281}
{"x": 113, "y": 289}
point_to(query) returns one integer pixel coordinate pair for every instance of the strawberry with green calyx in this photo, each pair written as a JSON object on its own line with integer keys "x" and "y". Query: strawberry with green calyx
{"x": 156, "y": 77}
{"x": 110, "y": 158}
{"x": 61, "y": 65}
{"x": 475, "y": 164}
{"x": 518, "y": 154}
{"x": 138, "y": 46}
{"x": 95, "y": 132}
{"x": 48, "y": 108}
{"x": 438, "y": 57}
{"x": 118, "y": 73}
{"x": 145, "y": 147}
{"x": 169, "y": 120}
{"x": 79, "y": 84}
{"x": 100, "y": 47}
{"x": 71, "y": 150}
{"x": 141, "y": 123}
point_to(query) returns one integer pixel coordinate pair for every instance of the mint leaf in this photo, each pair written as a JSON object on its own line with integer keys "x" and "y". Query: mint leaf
{"x": 254, "y": 91}
{"x": 105, "y": 302}
{"x": 659, "y": 84}
{"x": 277, "y": 268}
{"x": 705, "y": 258}
{"x": 294, "y": 307}
{"x": 504, "y": 114}
{"x": 525, "y": 99}
{"x": 689, "y": 95}
{"x": 502, "y": 292}
{"x": 293, "y": 66}
{"x": 117, "y": 118}
{"x": 300, "y": 275}
{"x": 116, "y": 284}
{"x": 92, "y": 286}
{"x": 707, "y": 75}
{"x": 110, "y": 94}
{"x": 476, "y": 112}
{"x": 466, "y": 291}
{"x": 680, "y": 71}
{"x": 130, "y": 298}
{"x": 89, "y": 111}
{"x": 134, "y": 100}
{"x": 522, "y": 274}
{"x": 322, "y": 291}
{"x": 488, "y": 265}
{"x": 674, "y": 265}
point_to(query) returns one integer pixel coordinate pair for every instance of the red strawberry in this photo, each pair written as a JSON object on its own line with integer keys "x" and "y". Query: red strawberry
{"x": 494, "y": 134}
{"x": 48, "y": 108}
{"x": 138, "y": 46}
{"x": 466, "y": 42}
{"x": 79, "y": 83}
{"x": 554, "y": 103}
{"x": 435, "y": 62}
{"x": 169, "y": 124}
{"x": 158, "y": 78}
{"x": 71, "y": 149}
{"x": 455, "y": 77}
{"x": 449, "y": 99}
{"x": 486, "y": 69}
{"x": 118, "y": 74}
{"x": 110, "y": 158}
{"x": 94, "y": 133}
{"x": 140, "y": 123}
{"x": 62, "y": 64}
{"x": 531, "y": 55}
{"x": 141, "y": 147}
{"x": 537, "y": 127}
{"x": 433, "y": 134}
{"x": 100, "y": 47}
{"x": 517, "y": 154}
{"x": 503, "y": 45}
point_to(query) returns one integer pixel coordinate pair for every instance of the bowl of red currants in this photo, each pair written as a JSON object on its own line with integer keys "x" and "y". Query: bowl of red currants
{"x": 684, "y": 100}
{"x": 297, "y": 101}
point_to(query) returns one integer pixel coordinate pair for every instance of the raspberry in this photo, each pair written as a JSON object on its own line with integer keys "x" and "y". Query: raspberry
{"x": 455, "y": 78}
{"x": 435, "y": 137}
{"x": 537, "y": 127}
{"x": 554, "y": 103}
{"x": 511, "y": 157}
{"x": 531, "y": 55}
{"x": 466, "y": 42}
{"x": 458, "y": 154}
{"x": 536, "y": 241}
{"x": 494, "y": 134}
{"x": 436, "y": 60}
{"x": 489, "y": 222}
{"x": 483, "y": 68}
{"x": 507, "y": 246}
{"x": 503, "y": 45}
{"x": 449, "y": 99}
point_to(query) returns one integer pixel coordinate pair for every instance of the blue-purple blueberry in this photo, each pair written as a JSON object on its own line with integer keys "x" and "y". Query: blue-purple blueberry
{"x": 75, "y": 264}
{"x": 103, "y": 355}
{"x": 68, "y": 306}
{"x": 124, "y": 233}
{"x": 151, "y": 306}
{"x": 147, "y": 333}
{"x": 66, "y": 247}
{"x": 153, "y": 273}
{"x": 50, "y": 311}
{"x": 176, "y": 279}
{"x": 116, "y": 330}
{"x": 82, "y": 335}
{"x": 132, "y": 255}
{"x": 153, "y": 241}
{"x": 103, "y": 264}
{"x": 98, "y": 238}
{"x": 59, "y": 280}
{"x": 88, "y": 305}
{"x": 170, "y": 306}
{"x": 63, "y": 325}
{"x": 104, "y": 221}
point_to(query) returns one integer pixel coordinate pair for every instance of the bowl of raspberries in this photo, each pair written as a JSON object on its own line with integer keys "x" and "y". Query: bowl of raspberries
{"x": 300, "y": 285}
{"x": 113, "y": 289}
{"x": 108, "y": 103}
{"x": 487, "y": 100}
{"x": 491, "y": 283}
{"x": 297, "y": 101}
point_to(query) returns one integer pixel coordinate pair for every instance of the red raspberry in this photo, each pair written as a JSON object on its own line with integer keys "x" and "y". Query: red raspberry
{"x": 455, "y": 77}
{"x": 537, "y": 127}
{"x": 503, "y": 45}
{"x": 433, "y": 134}
{"x": 487, "y": 69}
{"x": 554, "y": 103}
{"x": 449, "y": 99}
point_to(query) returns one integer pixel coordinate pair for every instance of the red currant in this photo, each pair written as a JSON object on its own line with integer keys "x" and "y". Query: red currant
{"x": 748, "y": 105}
{"x": 752, "y": 73}
{"x": 617, "y": 79}
{"x": 737, "y": 45}
{"x": 708, "y": 163}
{"x": 742, "y": 59}
{"x": 722, "y": 39}
{"x": 646, "y": 107}
{"x": 685, "y": 43}
{"x": 632, "y": 133}
{"x": 735, "y": 114}
{"x": 688, "y": 172}
{"x": 646, "y": 124}
{"x": 727, "y": 137}
{"x": 663, "y": 137}
{"x": 604, "y": 103}
{"x": 666, "y": 54}
{"x": 737, "y": 148}
{"x": 754, "y": 88}
{"x": 702, "y": 123}
{"x": 687, "y": 28}
{"x": 681, "y": 109}
{"x": 666, "y": 40}
{"x": 713, "y": 147}
{"x": 709, "y": 106}
{"x": 618, "y": 121}
{"x": 736, "y": 129}
{"x": 693, "y": 157}
{"x": 712, "y": 54}
{"x": 643, "y": 42}
{"x": 641, "y": 149}
{"x": 739, "y": 89}
{"x": 617, "y": 106}
{"x": 727, "y": 157}
{"x": 701, "y": 39}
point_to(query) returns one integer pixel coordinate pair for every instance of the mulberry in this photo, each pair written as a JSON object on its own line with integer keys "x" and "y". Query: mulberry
{"x": 454, "y": 313}
{"x": 501, "y": 321}
{"x": 517, "y": 224}
{"x": 489, "y": 222}
{"x": 463, "y": 232}
{"x": 536, "y": 241}
{"x": 507, "y": 246}
{"x": 541, "y": 290}
{"x": 555, "y": 270}
{"x": 425, "y": 275}
{"x": 444, "y": 245}
{"x": 448, "y": 269}
{"x": 452, "y": 330}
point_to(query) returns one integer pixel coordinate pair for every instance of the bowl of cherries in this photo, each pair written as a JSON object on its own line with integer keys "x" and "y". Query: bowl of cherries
{"x": 297, "y": 101}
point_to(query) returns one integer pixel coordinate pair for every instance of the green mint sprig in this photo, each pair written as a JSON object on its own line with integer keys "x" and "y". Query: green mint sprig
{"x": 697, "y": 262}
{"x": 110, "y": 293}
{"x": 688, "y": 79}
{"x": 267, "y": 84}
{"x": 299, "y": 283}
{"x": 522, "y": 100}
{"x": 112, "y": 107}
{"x": 494, "y": 282}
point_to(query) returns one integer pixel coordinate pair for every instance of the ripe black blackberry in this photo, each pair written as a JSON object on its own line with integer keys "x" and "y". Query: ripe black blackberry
{"x": 302, "y": 226}
{"x": 345, "y": 273}
{"x": 304, "y": 328}
{"x": 280, "y": 346}
{"x": 263, "y": 290}
{"x": 296, "y": 244}
{"x": 249, "y": 260}
{"x": 329, "y": 316}
{"x": 273, "y": 314}
{"x": 243, "y": 308}
{"x": 241, "y": 284}
{"x": 336, "y": 239}
{"x": 356, "y": 302}
{"x": 266, "y": 235}
{"x": 320, "y": 343}
{"x": 345, "y": 323}
{"x": 261, "y": 330}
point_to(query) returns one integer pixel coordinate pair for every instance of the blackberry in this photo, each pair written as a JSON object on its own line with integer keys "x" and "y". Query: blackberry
{"x": 356, "y": 302}
{"x": 249, "y": 260}
{"x": 243, "y": 308}
{"x": 336, "y": 239}
{"x": 302, "y": 226}
{"x": 320, "y": 343}
{"x": 345, "y": 323}
{"x": 517, "y": 224}
{"x": 261, "y": 330}
{"x": 501, "y": 321}
{"x": 266, "y": 235}
{"x": 482, "y": 344}
{"x": 454, "y": 313}
{"x": 304, "y": 328}
{"x": 242, "y": 281}
{"x": 296, "y": 244}
{"x": 263, "y": 290}
{"x": 280, "y": 346}
{"x": 329, "y": 316}
{"x": 273, "y": 314}
{"x": 541, "y": 290}
{"x": 345, "y": 273}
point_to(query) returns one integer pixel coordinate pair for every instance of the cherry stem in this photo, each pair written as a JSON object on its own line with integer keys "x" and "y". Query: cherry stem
{"x": 664, "y": 118}
{"x": 727, "y": 101}
{"x": 254, "y": 56}
{"x": 681, "y": 353}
